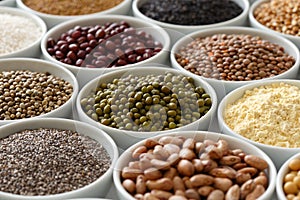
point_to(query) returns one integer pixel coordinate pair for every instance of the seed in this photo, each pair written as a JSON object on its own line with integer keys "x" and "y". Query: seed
{"x": 49, "y": 161}
{"x": 198, "y": 12}
{"x": 66, "y": 7}
{"x": 113, "y": 51}
{"x": 142, "y": 105}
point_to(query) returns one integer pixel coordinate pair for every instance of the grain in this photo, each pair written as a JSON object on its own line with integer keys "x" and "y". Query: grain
{"x": 49, "y": 161}
{"x": 17, "y": 32}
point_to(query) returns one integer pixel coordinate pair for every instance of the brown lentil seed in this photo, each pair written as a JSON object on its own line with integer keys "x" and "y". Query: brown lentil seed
{"x": 32, "y": 96}
{"x": 49, "y": 161}
{"x": 252, "y": 58}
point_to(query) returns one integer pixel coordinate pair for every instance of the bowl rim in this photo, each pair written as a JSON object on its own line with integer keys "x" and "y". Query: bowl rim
{"x": 144, "y": 134}
{"x": 233, "y": 30}
{"x": 254, "y": 22}
{"x": 35, "y": 19}
{"x": 68, "y": 17}
{"x": 284, "y": 169}
{"x": 272, "y": 172}
{"x": 110, "y": 17}
{"x": 220, "y": 111}
{"x": 75, "y": 85}
{"x": 244, "y": 14}
{"x": 7, "y": 2}
{"x": 76, "y": 123}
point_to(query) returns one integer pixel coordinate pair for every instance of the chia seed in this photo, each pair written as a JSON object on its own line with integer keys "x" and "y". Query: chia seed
{"x": 49, "y": 161}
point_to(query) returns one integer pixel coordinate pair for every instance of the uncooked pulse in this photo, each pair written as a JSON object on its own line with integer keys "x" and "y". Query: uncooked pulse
{"x": 74, "y": 7}
{"x": 267, "y": 114}
{"x": 19, "y": 33}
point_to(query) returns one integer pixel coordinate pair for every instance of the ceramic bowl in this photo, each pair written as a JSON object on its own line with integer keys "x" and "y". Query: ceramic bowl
{"x": 178, "y": 31}
{"x": 98, "y": 188}
{"x": 256, "y": 24}
{"x": 284, "y": 169}
{"x": 277, "y": 153}
{"x": 125, "y": 138}
{"x": 32, "y": 49}
{"x": 37, "y": 65}
{"x": 84, "y": 74}
{"x": 52, "y": 20}
{"x": 224, "y": 87}
{"x": 234, "y": 143}
{"x": 9, "y": 3}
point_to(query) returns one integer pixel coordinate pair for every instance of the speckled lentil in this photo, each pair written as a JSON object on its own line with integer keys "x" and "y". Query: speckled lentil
{"x": 234, "y": 57}
{"x": 147, "y": 103}
{"x": 25, "y": 94}
{"x": 267, "y": 114}
{"x": 49, "y": 161}
{"x": 191, "y": 12}
{"x": 74, "y": 7}
{"x": 280, "y": 15}
{"x": 19, "y": 32}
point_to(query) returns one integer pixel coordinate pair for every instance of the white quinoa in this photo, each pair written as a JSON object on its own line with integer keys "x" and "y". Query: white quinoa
{"x": 267, "y": 114}
{"x": 17, "y": 32}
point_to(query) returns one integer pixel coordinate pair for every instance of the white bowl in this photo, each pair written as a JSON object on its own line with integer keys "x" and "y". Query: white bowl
{"x": 284, "y": 169}
{"x": 32, "y": 50}
{"x": 234, "y": 143}
{"x": 98, "y": 188}
{"x": 37, "y": 65}
{"x": 9, "y": 3}
{"x": 125, "y": 138}
{"x": 178, "y": 31}
{"x": 223, "y": 87}
{"x": 278, "y": 154}
{"x": 51, "y": 20}
{"x": 254, "y": 23}
{"x": 86, "y": 74}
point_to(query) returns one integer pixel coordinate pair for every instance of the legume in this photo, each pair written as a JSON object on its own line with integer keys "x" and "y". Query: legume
{"x": 101, "y": 46}
{"x": 280, "y": 15}
{"x": 234, "y": 57}
{"x": 19, "y": 33}
{"x": 147, "y": 103}
{"x": 26, "y": 94}
{"x": 173, "y": 166}
{"x": 49, "y": 161}
{"x": 268, "y": 114}
{"x": 74, "y": 7}
{"x": 291, "y": 181}
{"x": 197, "y": 12}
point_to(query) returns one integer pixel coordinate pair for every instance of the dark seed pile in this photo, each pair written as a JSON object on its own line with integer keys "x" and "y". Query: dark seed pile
{"x": 191, "y": 12}
{"x": 234, "y": 57}
{"x": 25, "y": 94}
{"x": 147, "y": 103}
{"x": 49, "y": 161}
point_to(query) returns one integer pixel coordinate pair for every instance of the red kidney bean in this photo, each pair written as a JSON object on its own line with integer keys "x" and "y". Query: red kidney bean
{"x": 118, "y": 43}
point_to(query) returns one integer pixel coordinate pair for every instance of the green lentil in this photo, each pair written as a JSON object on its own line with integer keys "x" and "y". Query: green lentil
{"x": 147, "y": 103}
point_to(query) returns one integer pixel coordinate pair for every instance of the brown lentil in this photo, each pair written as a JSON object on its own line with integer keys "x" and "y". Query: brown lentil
{"x": 101, "y": 46}
{"x": 49, "y": 161}
{"x": 291, "y": 181}
{"x": 147, "y": 103}
{"x": 205, "y": 174}
{"x": 25, "y": 94}
{"x": 234, "y": 57}
{"x": 74, "y": 7}
{"x": 280, "y": 15}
